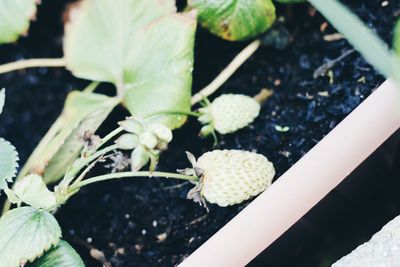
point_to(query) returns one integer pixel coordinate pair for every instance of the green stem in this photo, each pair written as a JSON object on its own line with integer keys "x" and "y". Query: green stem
{"x": 32, "y": 63}
{"x": 91, "y": 87}
{"x": 120, "y": 175}
{"x": 227, "y": 72}
{"x": 84, "y": 162}
{"x": 109, "y": 136}
{"x": 173, "y": 112}
{"x": 96, "y": 155}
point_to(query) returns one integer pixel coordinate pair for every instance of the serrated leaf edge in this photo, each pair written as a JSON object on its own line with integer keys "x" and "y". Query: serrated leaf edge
{"x": 16, "y": 157}
{"x": 51, "y": 244}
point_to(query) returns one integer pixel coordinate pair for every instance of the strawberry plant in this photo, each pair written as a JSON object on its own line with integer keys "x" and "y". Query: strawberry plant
{"x": 28, "y": 232}
{"x": 143, "y": 51}
{"x": 152, "y": 79}
{"x": 223, "y": 177}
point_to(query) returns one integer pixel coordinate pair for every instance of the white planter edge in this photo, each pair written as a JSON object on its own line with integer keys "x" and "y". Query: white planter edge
{"x": 304, "y": 184}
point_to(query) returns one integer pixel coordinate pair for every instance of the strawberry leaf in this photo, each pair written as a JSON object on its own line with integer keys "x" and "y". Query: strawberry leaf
{"x": 33, "y": 191}
{"x": 8, "y": 163}
{"x": 15, "y": 17}
{"x": 235, "y": 20}
{"x": 83, "y": 111}
{"x": 61, "y": 255}
{"x": 144, "y": 47}
{"x": 25, "y": 234}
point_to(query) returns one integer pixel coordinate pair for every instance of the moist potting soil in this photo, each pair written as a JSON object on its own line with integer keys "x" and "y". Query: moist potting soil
{"x": 149, "y": 222}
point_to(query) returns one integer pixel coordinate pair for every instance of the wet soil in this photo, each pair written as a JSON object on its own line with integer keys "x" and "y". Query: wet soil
{"x": 149, "y": 222}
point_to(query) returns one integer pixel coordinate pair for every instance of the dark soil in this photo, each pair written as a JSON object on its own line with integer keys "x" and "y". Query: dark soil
{"x": 149, "y": 222}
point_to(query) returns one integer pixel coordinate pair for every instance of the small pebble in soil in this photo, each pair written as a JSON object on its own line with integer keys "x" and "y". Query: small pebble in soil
{"x": 138, "y": 248}
{"x": 162, "y": 237}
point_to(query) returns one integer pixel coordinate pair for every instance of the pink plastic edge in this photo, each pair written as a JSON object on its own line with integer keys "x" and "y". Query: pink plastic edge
{"x": 304, "y": 184}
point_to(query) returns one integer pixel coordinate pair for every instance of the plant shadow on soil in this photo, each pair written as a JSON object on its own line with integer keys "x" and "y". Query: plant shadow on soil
{"x": 149, "y": 222}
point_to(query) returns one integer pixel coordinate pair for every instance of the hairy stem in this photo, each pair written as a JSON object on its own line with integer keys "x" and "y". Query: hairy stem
{"x": 120, "y": 175}
{"x": 227, "y": 72}
{"x": 32, "y": 63}
{"x": 69, "y": 176}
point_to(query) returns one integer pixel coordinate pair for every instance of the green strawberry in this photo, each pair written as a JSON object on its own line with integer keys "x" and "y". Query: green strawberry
{"x": 228, "y": 113}
{"x": 230, "y": 177}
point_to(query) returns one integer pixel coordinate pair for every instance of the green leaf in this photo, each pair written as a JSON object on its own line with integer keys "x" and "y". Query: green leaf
{"x": 396, "y": 38}
{"x": 2, "y": 99}
{"x": 98, "y": 38}
{"x": 83, "y": 111}
{"x": 235, "y": 19}
{"x": 374, "y": 50}
{"x": 15, "y": 16}
{"x": 143, "y": 47}
{"x": 33, "y": 191}
{"x": 25, "y": 234}
{"x": 61, "y": 255}
{"x": 161, "y": 64}
{"x": 8, "y": 163}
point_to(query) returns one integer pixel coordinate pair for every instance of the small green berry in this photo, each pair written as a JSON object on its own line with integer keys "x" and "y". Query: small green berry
{"x": 229, "y": 113}
{"x": 230, "y": 177}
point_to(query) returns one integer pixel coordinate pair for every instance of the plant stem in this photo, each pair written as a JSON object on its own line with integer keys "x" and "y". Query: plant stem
{"x": 91, "y": 87}
{"x": 227, "y": 72}
{"x": 109, "y": 136}
{"x": 172, "y": 112}
{"x": 97, "y": 154}
{"x": 119, "y": 175}
{"x": 263, "y": 95}
{"x": 69, "y": 176}
{"x": 31, "y": 63}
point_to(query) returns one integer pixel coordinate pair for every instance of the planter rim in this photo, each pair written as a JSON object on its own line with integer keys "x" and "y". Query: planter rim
{"x": 304, "y": 184}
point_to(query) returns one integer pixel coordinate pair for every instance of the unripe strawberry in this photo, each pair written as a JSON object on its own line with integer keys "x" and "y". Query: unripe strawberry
{"x": 229, "y": 113}
{"x": 232, "y": 176}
